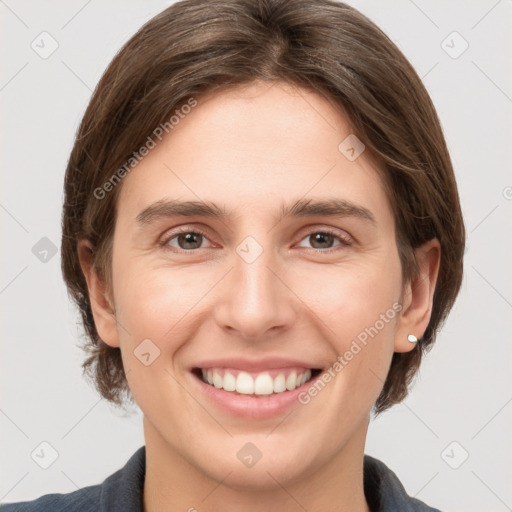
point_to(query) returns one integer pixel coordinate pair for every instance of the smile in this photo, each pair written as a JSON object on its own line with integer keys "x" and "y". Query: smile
{"x": 263, "y": 383}
{"x": 255, "y": 389}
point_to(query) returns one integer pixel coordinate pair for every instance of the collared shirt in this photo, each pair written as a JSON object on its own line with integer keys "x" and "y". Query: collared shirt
{"x": 122, "y": 492}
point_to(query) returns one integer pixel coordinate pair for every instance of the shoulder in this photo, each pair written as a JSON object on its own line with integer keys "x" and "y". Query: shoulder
{"x": 384, "y": 491}
{"x": 83, "y": 500}
{"x": 121, "y": 491}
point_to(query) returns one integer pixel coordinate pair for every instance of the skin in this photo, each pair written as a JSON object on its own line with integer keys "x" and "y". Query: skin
{"x": 248, "y": 150}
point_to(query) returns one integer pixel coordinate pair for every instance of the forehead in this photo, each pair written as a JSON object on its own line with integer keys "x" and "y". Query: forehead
{"x": 256, "y": 146}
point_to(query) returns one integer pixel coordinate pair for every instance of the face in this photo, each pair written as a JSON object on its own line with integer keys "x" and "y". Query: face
{"x": 273, "y": 290}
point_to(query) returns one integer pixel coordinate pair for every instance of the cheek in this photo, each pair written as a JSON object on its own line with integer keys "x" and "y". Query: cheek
{"x": 358, "y": 306}
{"x": 157, "y": 302}
{"x": 350, "y": 297}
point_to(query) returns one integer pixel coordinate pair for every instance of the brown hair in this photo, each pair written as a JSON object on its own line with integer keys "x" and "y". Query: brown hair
{"x": 198, "y": 46}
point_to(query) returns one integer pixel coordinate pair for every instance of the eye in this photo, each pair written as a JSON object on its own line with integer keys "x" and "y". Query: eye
{"x": 325, "y": 239}
{"x": 186, "y": 240}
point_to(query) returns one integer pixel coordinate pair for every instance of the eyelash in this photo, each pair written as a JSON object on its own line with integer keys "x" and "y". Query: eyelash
{"x": 345, "y": 241}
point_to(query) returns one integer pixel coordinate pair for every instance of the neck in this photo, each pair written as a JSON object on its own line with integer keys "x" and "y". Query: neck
{"x": 173, "y": 483}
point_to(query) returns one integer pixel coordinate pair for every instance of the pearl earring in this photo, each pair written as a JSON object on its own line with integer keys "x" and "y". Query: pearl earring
{"x": 412, "y": 338}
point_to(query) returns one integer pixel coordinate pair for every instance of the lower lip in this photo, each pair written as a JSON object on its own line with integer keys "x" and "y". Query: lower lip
{"x": 250, "y": 406}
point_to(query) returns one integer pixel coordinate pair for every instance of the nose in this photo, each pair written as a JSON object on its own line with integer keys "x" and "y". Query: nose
{"x": 256, "y": 302}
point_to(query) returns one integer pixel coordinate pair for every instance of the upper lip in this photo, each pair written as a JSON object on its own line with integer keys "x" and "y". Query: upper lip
{"x": 254, "y": 365}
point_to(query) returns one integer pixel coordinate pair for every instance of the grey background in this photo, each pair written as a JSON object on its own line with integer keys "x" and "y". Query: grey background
{"x": 463, "y": 393}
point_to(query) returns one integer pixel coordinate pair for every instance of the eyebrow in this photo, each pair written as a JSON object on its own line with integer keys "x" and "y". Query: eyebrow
{"x": 300, "y": 208}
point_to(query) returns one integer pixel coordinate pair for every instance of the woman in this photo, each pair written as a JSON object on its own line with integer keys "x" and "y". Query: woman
{"x": 262, "y": 232}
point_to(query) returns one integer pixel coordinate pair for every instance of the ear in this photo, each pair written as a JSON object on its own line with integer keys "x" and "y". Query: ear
{"x": 418, "y": 296}
{"x": 102, "y": 307}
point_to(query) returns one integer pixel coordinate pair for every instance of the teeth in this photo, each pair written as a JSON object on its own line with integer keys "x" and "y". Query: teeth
{"x": 302, "y": 379}
{"x": 218, "y": 381}
{"x": 279, "y": 384}
{"x": 229, "y": 383}
{"x": 263, "y": 384}
{"x": 244, "y": 383}
{"x": 291, "y": 381}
